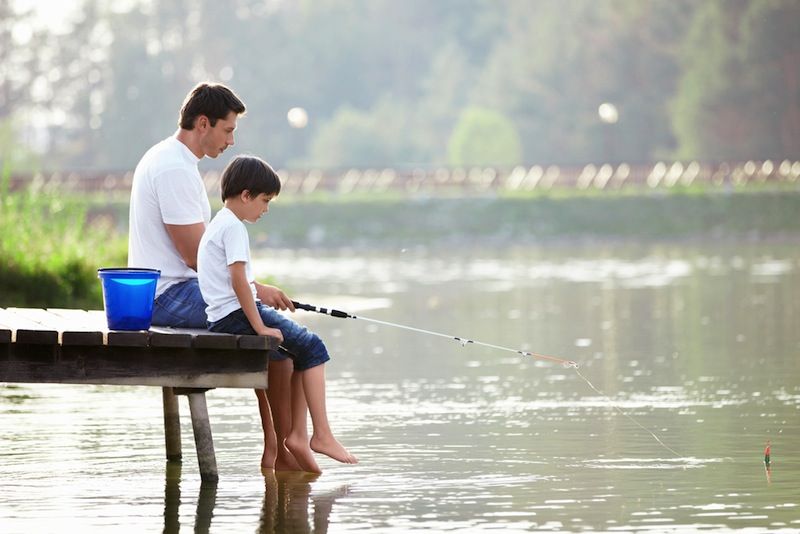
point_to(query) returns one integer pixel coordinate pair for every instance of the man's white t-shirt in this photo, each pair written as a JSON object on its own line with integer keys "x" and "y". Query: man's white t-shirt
{"x": 224, "y": 242}
{"x": 167, "y": 189}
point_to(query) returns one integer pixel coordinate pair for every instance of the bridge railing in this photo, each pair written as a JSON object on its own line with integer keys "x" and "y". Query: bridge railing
{"x": 472, "y": 180}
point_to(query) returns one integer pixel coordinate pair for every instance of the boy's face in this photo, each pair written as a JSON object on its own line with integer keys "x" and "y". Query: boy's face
{"x": 255, "y": 206}
{"x": 215, "y": 139}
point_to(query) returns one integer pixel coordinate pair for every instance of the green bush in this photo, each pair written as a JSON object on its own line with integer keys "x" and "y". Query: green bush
{"x": 484, "y": 137}
{"x": 50, "y": 251}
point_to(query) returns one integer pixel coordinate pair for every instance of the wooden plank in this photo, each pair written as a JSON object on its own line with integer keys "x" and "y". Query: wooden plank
{"x": 202, "y": 338}
{"x": 15, "y": 318}
{"x": 258, "y": 342}
{"x": 81, "y": 327}
{"x": 70, "y": 330}
{"x": 121, "y": 338}
{"x": 115, "y": 338}
{"x": 211, "y": 340}
{"x": 36, "y": 337}
{"x": 5, "y": 335}
{"x": 43, "y": 318}
{"x": 52, "y": 322}
{"x": 26, "y": 331}
{"x": 174, "y": 340}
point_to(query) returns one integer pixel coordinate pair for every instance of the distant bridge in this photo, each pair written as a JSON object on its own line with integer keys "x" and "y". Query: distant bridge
{"x": 459, "y": 181}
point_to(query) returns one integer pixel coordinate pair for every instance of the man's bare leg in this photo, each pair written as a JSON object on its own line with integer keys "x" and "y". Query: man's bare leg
{"x": 270, "y": 439}
{"x": 279, "y": 394}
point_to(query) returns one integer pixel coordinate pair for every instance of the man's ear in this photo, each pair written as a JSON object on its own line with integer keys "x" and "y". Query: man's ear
{"x": 245, "y": 195}
{"x": 202, "y": 123}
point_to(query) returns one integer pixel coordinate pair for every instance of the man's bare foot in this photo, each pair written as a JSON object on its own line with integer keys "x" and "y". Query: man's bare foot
{"x": 286, "y": 461}
{"x": 333, "y": 449}
{"x": 302, "y": 454}
{"x": 268, "y": 472}
{"x": 268, "y": 460}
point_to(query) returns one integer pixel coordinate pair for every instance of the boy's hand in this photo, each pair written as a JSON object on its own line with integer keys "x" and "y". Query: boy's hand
{"x": 274, "y": 297}
{"x": 272, "y": 332}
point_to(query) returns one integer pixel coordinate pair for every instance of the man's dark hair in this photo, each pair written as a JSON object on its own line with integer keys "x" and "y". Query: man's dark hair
{"x": 249, "y": 173}
{"x": 215, "y": 101}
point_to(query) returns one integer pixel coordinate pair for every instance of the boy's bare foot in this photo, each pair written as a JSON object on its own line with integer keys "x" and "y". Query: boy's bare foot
{"x": 332, "y": 448}
{"x": 303, "y": 455}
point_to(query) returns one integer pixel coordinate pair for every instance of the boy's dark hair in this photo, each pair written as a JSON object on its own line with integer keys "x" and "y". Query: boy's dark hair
{"x": 249, "y": 173}
{"x": 215, "y": 101}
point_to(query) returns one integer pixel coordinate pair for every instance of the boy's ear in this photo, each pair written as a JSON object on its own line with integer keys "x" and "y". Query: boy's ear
{"x": 245, "y": 195}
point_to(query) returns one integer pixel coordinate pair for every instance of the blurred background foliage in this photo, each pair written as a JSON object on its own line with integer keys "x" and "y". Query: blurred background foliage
{"x": 86, "y": 86}
{"x": 412, "y": 83}
{"x": 51, "y": 249}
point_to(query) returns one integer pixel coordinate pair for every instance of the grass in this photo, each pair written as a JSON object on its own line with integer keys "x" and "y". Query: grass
{"x": 50, "y": 250}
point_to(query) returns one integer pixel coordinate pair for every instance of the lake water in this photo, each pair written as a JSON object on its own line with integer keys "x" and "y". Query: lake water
{"x": 689, "y": 363}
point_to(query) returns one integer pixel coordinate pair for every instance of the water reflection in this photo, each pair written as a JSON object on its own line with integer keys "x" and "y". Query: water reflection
{"x": 206, "y": 501}
{"x": 286, "y": 504}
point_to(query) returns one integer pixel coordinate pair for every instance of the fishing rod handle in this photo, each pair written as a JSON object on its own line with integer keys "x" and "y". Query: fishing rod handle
{"x": 301, "y": 306}
{"x": 331, "y": 312}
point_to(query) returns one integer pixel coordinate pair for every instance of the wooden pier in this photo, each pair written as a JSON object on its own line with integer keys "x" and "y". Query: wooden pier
{"x": 63, "y": 346}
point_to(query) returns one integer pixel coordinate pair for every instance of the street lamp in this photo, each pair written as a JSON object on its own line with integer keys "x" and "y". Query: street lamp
{"x": 609, "y": 115}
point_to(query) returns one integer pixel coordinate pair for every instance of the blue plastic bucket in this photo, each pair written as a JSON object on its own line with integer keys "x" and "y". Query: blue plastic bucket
{"x": 128, "y": 295}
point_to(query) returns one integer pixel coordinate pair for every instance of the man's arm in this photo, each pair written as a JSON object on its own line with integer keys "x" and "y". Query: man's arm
{"x": 274, "y": 297}
{"x": 186, "y": 238}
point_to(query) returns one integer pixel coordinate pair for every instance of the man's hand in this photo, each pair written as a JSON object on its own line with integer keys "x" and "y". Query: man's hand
{"x": 274, "y": 297}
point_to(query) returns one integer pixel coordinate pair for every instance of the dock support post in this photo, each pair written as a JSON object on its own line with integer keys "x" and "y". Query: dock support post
{"x": 172, "y": 425}
{"x": 202, "y": 437}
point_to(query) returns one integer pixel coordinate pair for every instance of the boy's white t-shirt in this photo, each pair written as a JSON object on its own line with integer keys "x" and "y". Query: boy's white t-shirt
{"x": 167, "y": 189}
{"x": 224, "y": 242}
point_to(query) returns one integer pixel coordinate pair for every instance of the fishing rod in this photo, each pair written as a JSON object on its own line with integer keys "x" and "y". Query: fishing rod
{"x": 566, "y": 363}
{"x": 464, "y": 341}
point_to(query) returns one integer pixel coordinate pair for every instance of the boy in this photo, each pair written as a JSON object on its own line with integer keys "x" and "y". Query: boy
{"x": 226, "y": 282}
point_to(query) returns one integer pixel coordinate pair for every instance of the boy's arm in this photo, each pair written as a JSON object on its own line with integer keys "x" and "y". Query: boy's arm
{"x": 273, "y": 296}
{"x": 245, "y": 296}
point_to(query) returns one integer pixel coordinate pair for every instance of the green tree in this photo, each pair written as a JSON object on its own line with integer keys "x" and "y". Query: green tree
{"x": 371, "y": 138}
{"x": 557, "y": 62}
{"x": 739, "y": 94}
{"x": 484, "y": 137}
{"x": 771, "y": 53}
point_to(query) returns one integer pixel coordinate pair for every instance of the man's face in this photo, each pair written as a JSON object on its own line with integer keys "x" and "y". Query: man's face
{"x": 215, "y": 139}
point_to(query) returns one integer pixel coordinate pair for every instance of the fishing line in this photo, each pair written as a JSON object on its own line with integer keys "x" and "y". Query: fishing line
{"x": 619, "y": 410}
{"x": 464, "y": 341}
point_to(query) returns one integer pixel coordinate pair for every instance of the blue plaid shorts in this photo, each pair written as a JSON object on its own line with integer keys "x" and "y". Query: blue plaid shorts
{"x": 303, "y": 346}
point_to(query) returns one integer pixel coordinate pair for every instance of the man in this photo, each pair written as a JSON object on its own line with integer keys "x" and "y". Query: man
{"x": 169, "y": 211}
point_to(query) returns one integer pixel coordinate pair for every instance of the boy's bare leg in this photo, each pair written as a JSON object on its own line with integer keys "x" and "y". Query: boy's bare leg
{"x": 298, "y": 442}
{"x": 279, "y": 380}
{"x": 322, "y": 441}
